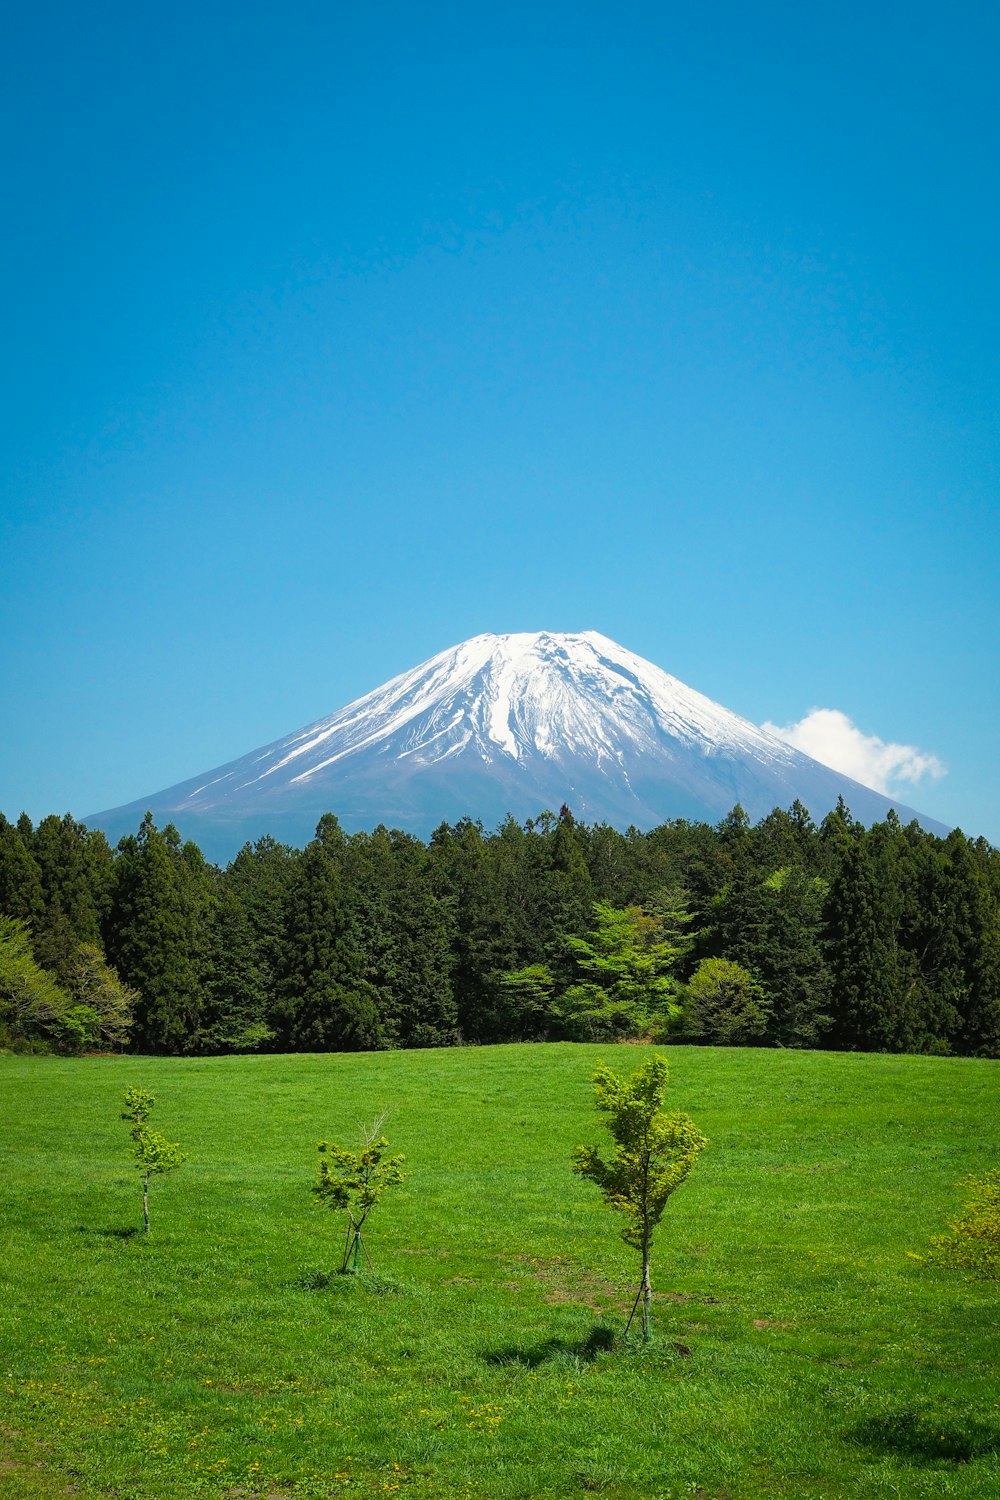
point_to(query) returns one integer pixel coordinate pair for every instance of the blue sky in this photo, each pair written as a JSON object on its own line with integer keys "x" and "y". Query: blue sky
{"x": 336, "y": 334}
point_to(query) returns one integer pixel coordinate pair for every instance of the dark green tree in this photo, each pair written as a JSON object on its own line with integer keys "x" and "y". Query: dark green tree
{"x": 238, "y": 984}
{"x": 325, "y": 1002}
{"x": 866, "y": 995}
{"x": 75, "y": 870}
{"x": 21, "y": 894}
{"x": 157, "y": 935}
{"x": 487, "y": 890}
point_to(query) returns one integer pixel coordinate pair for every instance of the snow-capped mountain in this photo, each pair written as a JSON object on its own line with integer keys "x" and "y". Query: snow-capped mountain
{"x": 506, "y": 723}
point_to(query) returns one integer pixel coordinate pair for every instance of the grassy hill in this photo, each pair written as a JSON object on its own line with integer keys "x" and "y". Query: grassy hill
{"x": 800, "y": 1349}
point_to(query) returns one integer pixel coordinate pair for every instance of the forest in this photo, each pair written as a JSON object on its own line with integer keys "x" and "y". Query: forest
{"x": 786, "y": 933}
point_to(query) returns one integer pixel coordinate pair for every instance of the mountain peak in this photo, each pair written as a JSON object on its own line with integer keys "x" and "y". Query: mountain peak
{"x": 507, "y": 723}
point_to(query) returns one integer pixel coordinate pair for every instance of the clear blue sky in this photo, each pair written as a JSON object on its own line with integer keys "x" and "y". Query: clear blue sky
{"x": 334, "y": 334}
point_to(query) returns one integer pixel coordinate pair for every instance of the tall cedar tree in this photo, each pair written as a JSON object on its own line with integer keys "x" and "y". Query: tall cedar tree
{"x": 21, "y": 893}
{"x": 326, "y": 1002}
{"x": 75, "y": 867}
{"x": 865, "y": 977}
{"x": 157, "y": 935}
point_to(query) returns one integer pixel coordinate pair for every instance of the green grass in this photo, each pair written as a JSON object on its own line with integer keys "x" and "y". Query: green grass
{"x": 800, "y": 1350}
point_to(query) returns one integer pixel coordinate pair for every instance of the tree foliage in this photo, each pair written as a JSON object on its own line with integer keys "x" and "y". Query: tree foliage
{"x": 884, "y": 938}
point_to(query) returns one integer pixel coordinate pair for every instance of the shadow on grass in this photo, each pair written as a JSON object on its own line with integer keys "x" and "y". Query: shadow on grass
{"x": 350, "y": 1283}
{"x": 555, "y": 1351}
{"x": 924, "y": 1437}
{"x": 104, "y": 1233}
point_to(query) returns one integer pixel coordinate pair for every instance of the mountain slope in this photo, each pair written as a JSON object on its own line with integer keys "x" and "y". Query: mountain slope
{"x": 506, "y": 723}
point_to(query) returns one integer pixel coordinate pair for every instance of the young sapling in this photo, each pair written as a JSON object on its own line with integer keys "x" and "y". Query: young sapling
{"x": 654, "y": 1152}
{"x": 152, "y": 1153}
{"x": 356, "y": 1181}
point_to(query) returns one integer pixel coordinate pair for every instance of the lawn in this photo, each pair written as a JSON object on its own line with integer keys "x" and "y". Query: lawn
{"x": 800, "y": 1348}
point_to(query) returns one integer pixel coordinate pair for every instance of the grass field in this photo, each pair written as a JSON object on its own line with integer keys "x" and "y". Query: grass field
{"x": 799, "y": 1350}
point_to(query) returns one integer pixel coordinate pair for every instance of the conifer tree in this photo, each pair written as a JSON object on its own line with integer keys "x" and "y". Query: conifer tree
{"x": 725, "y": 1004}
{"x": 236, "y": 994}
{"x": 865, "y": 978}
{"x": 157, "y": 935}
{"x": 486, "y": 889}
{"x": 75, "y": 869}
{"x": 21, "y": 894}
{"x": 326, "y": 1002}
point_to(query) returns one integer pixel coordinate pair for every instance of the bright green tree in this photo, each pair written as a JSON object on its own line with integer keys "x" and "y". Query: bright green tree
{"x": 32, "y": 1004}
{"x": 104, "y": 1006}
{"x": 356, "y": 1181}
{"x": 152, "y": 1153}
{"x": 654, "y": 1152}
{"x": 625, "y": 985}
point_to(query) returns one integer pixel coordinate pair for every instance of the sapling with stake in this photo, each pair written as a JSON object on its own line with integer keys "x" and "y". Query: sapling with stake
{"x": 152, "y": 1153}
{"x": 356, "y": 1181}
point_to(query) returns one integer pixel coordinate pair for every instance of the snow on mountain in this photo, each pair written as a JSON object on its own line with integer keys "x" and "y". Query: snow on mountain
{"x": 506, "y": 723}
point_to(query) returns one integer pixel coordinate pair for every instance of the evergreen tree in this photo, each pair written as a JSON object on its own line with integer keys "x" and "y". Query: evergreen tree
{"x": 325, "y": 1002}
{"x": 611, "y": 866}
{"x": 157, "y": 935}
{"x": 21, "y": 893}
{"x": 725, "y": 1005}
{"x": 786, "y": 840}
{"x": 257, "y": 889}
{"x": 568, "y": 891}
{"x": 793, "y": 967}
{"x": 865, "y": 976}
{"x": 975, "y": 915}
{"x": 487, "y": 890}
{"x": 236, "y": 994}
{"x": 427, "y": 1013}
{"x": 75, "y": 869}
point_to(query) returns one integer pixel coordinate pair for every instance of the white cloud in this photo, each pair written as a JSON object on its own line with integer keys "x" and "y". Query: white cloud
{"x": 829, "y": 736}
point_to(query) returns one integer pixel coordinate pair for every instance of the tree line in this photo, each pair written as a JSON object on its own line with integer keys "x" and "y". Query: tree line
{"x": 784, "y": 933}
